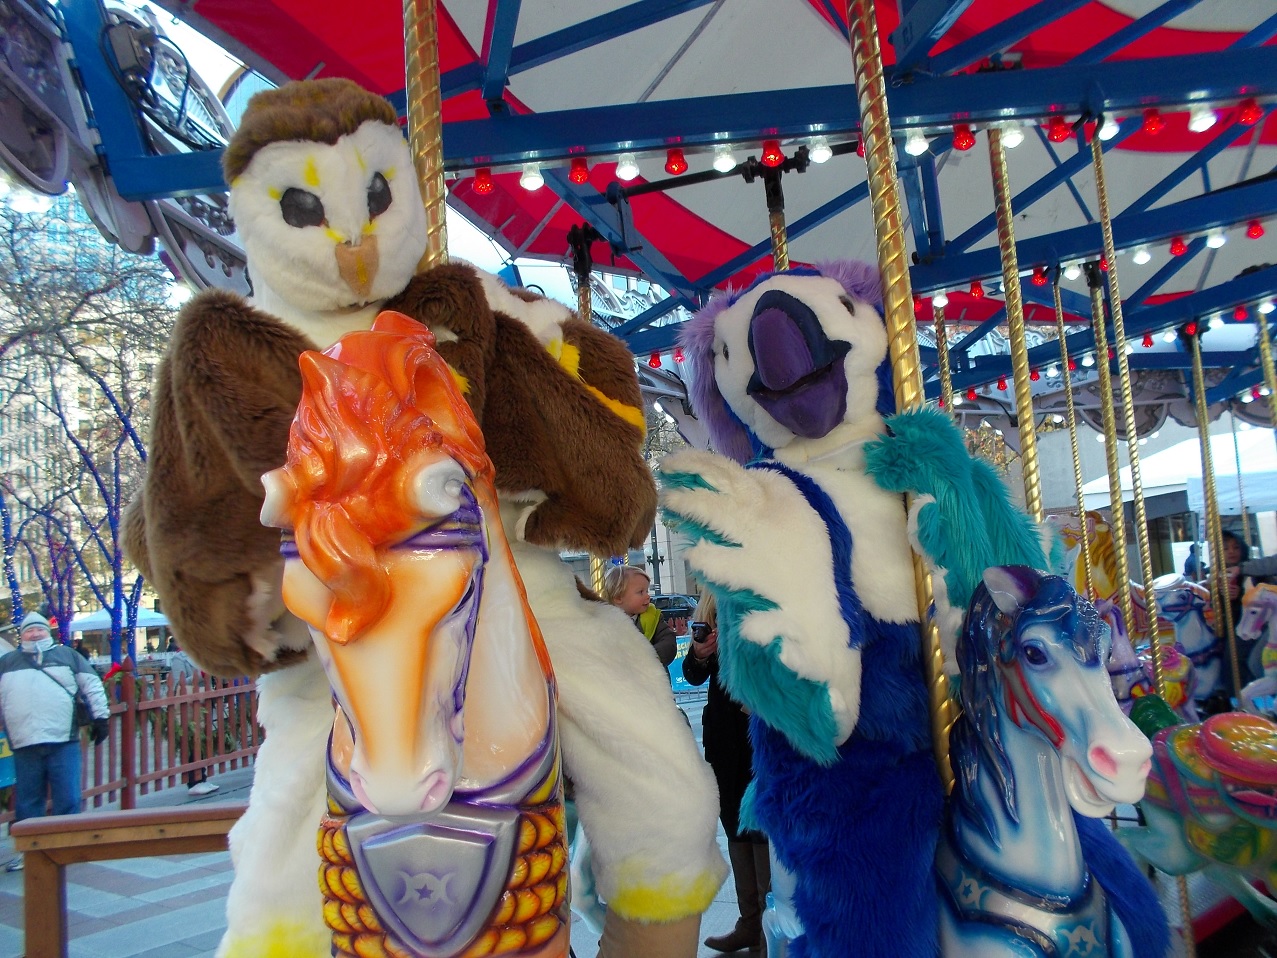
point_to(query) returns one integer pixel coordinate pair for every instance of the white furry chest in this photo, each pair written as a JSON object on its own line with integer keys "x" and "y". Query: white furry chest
{"x": 881, "y": 558}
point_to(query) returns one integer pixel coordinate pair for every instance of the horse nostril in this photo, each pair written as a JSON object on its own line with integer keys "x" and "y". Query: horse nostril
{"x": 1102, "y": 761}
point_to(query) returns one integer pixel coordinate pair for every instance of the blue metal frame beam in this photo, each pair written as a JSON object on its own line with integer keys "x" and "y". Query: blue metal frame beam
{"x": 561, "y": 43}
{"x": 648, "y": 316}
{"x": 1250, "y": 288}
{"x": 1229, "y": 389}
{"x": 1068, "y": 180}
{"x": 1133, "y": 31}
{"x": 1044, "y": 185}
{"x": 1259, "y": 36}
{"x": 1007, "y": 33}
{"x": 498, "y": 44}
{"x": 1223, "y": 208}
{"x": 589, "y": 203}
{"x": 931, "y": 202}
{"x": 922, "y": 23}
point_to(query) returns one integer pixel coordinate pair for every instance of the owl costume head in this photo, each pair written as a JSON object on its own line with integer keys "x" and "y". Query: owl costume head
{"x": 326, "y": 202}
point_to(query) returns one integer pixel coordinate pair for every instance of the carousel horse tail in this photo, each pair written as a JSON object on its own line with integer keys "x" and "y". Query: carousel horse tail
{"x": 1129, "y": 892}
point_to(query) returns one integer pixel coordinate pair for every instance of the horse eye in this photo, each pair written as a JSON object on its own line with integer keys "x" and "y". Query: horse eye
{"x": 726, "y": 354}
{"x": 846, "y": 301}
{"x": 378, "y": 196}
{"x": 302, "y": 208}
{"x": 1035, "y": 655}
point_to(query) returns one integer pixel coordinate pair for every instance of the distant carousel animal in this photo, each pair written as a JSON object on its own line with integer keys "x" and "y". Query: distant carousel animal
{"x": 1211, "y": 802}
{"x": 1040, "y": 733}
{"x": 445, "y": 834}
{"x": 1259, "y": 614}
{"x": 1184, "y": 604}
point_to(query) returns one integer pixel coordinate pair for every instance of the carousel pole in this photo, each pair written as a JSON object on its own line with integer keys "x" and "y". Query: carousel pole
{"x": 1214, "y": 531}
{"x": 1128, "y": 413}
{"x": 425, "y": 123}
{"x": 1109, "y": 417}
{"x": 942, "y": 357}
{"x": 1241, "y": 488}
{"x": 1030, "y": 470}
{"x": 1266, "y": 361}
{"x": 871, "y": 92}
{"x": 776, "y": 219}
{"x": 1071, "y": 418}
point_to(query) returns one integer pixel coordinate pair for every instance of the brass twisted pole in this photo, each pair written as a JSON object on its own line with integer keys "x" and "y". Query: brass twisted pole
{"x": 780, "y": 239}
{"x": 1015, "y": 329}
{"x": 1266, "y": 362}
{"x": 425, "y": 123}
{"x": 1071, "y": 417}
{"x": 1214, "y": 530}
{"x": 1109, "y": 418}
{"x": 871, "y": 92}
{"x": 1128, "y": 413}
{"x": 1241, "y": 486}
{"x": 942, "y": 358}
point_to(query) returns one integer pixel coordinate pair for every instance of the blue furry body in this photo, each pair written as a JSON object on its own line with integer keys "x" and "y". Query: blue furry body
{"x": 859, "y": 833}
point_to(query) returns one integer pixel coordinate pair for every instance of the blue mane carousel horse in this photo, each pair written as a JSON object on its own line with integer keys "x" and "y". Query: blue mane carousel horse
{"x": 1040, "y": 733}
{"x": 445, "y": 835}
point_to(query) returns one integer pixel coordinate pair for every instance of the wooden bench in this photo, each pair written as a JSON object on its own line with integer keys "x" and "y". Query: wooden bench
{"x": 49, "y": 844}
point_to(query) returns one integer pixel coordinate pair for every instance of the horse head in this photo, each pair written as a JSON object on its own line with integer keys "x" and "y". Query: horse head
{"x": 1034, "y": 647}
{"x": 1258, "y": 605}
{"x": 384, "y": 490}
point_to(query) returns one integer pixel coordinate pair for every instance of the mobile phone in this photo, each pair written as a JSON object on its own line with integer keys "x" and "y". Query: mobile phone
{"x": 700, "y": 631}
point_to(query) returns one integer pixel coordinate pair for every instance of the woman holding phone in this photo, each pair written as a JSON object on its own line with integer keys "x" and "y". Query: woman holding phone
{"x": 726, "y": 734}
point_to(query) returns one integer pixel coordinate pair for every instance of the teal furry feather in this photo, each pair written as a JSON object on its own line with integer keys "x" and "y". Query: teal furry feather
{"x": 972, "y": 523}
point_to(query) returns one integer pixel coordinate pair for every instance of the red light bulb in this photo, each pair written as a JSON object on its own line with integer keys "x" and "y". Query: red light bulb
{"x": 963, "y": 138}
{"x": 1241, "y": 314}
{"x": 654, "y": 360}
{"x": 977, "y": 289}
{"x": 1153, "y": 122}
{"x": 580, "y": 170}
{"x": 860, "y": 149}
{"x": 483, "y": 182}
{"x": 971, "y": 395}
{"x": 917, "y": 304}
{"x": 1034, "y": 375}
{"x": 1112, "y": 354}
{"x": 772, "y": 155}
{"x": 679, "y": 355}
{"x": 1148, "y": 340}
{"x": 1039, "y": 276}
{"x": 1058, "y": 129}
{"x": 1249, "y": 112}
{"x": 1254, "y": 392}
{"x": 1178, "y": 246}
{"x": 1002, "y": 383}
{"x": 1190, "y": 328}
{"x": 1254, "y": 229}
{"x": 1072, "y": 365}
{"x": 1104, "y": 264}
{"x": 675, "y": 162}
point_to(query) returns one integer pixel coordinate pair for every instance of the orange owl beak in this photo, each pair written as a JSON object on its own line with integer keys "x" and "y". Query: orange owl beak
{"x": 357, "y": 264}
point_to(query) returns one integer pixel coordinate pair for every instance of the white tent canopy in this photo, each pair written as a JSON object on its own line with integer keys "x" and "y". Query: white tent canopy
{"x": 101, "y": 620}
{"x": 1179, "y": 469}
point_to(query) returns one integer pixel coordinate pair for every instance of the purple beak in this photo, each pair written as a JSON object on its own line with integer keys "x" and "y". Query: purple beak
{"x": 799, "y": 377}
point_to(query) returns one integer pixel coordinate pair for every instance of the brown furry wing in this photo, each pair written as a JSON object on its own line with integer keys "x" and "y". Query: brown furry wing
{"x": 223, "y": 403}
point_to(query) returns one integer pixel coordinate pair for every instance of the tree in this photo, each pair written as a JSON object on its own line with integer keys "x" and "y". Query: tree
{"x": 82, "y": 325}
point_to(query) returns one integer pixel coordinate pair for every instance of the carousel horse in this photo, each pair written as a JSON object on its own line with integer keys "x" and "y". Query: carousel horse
{"x": 1183, "y": 605}
{"x": 1259, "y": 604}
{"x": 1132, "y": 674}
{"x": 1040, "y": 733}
{"x": 1211, "y": 802}
{"x": 445, "y": 831}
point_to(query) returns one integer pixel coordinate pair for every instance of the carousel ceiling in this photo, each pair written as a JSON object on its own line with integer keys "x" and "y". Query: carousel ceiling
{"x": 1182, "y": 91}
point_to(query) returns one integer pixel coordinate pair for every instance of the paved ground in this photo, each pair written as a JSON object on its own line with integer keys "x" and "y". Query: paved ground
{"x": 174, "y": 907}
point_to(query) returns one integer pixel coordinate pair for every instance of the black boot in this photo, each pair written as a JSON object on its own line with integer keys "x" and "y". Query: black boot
{"x": 763, "y": 880}
{"x": 749, "y": 927}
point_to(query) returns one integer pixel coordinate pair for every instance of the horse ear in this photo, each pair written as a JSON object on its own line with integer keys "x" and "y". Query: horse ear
{"x": 1009, "y": 587}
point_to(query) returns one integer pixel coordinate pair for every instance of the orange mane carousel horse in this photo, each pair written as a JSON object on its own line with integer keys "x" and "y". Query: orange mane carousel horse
{"x": 445, "y": 829}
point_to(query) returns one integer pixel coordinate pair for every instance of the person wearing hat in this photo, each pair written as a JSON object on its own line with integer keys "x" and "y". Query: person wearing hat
{"x": 39, "y": 684}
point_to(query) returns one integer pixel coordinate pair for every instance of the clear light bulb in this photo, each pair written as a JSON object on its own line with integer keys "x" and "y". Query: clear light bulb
{"x": 1216, "y": 239}
{"x": 1216, "y": 322}
{"x": 1012, "y": 136}
{"x": 1109, "y": 128}
{"x": 724, "y": 162}
{"x": 1201, "y": 119}
{"x": 819, "y": 151}
{"x": 916, "y": 144}
{"x": 1141, "y": 256}
{"x": 1169, "y": 336}
{"x": 626, "y": 167}
{"x": 1072, "y": 271}
{"x": 1267, "y": 307}
{"x": 940, "y": 299}
{"x": 1088, "y": 360}
{"x": 531, "y": 178}
{"x": 1052, "y": 371}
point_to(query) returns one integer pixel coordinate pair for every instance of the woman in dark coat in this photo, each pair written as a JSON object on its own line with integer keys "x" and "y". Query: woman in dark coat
{"x": 725, "y": 726}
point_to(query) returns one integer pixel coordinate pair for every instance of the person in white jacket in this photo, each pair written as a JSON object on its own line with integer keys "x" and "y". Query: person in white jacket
{"x": 39, "y": 683}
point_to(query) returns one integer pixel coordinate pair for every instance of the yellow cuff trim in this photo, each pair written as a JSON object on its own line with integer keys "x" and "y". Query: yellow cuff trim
{"x": 669, "y": 900}
{"x": 281, "y": 941}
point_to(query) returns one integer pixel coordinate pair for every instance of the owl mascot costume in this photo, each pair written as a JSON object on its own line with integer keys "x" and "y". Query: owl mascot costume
{"x": 327, "y": 207}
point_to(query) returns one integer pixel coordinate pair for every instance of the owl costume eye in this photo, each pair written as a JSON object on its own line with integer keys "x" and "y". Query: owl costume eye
{"x": 378, "y": 196}
{"x": 302, "y": 208}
